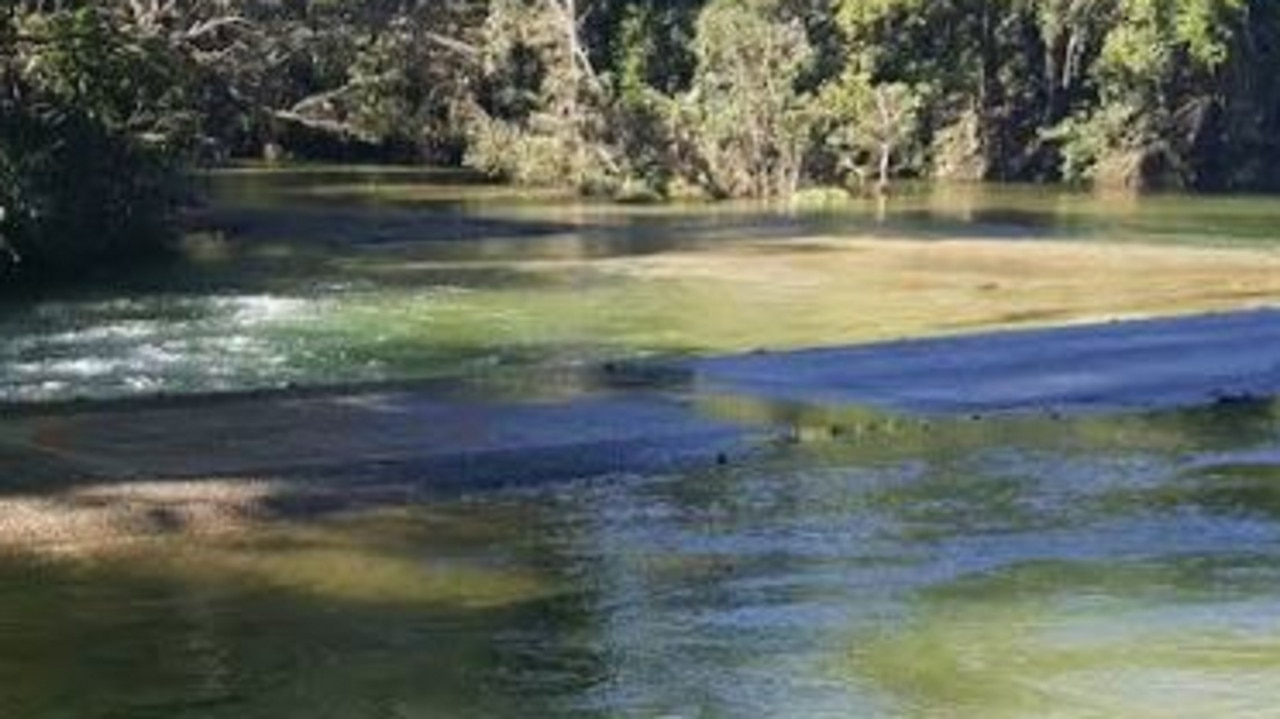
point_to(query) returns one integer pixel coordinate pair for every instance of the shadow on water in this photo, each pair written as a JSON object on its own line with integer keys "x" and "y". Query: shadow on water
{"x": 321, "y": 277}
{"x": 411, "y": 615}
{"x": 859, "y": 562}
{"x": 849, "y": 562}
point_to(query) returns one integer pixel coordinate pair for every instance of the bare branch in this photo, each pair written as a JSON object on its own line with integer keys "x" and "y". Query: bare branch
{"x": 454, "y": 44}
{"x": 335, "y": 127}
{"x": 211, "y": 26}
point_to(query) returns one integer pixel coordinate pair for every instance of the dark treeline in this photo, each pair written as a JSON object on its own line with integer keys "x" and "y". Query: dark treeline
{"x": 634, "y": 98}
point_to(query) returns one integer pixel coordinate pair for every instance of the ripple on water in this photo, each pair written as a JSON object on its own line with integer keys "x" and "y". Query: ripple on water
{"x": 126, "y": 347}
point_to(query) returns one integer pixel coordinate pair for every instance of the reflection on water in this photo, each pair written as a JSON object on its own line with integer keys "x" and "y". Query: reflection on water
{"x": 860, "y": 565}
{"x": 326, "y": 277}
{"x": 1086, "y": 567}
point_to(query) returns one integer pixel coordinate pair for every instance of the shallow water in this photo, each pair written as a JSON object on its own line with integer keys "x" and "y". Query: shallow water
{"x": 1120, "y": 566}
{"x": 860, "y": 564}
{"x": 341, "y": 277}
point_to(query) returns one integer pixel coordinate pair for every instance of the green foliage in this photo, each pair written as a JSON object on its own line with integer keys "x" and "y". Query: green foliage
{"x": 750, "y": 126}
{"x": 1156, "y": 76}
{"x": 735, "y": 97}
{"x": 956, "y": 152}
{"x": 382, "y": 92}
{"x": 86, "y": 177}
{"x": 1155, "y": 40}
{"x": 873, "y": 128}
{"x": 75, "y": 194}
{"x": 639, "y": 123}
{"x": 859, "y": 14}
{"x": 1101, "y": 146}
{"x": 553, "y": 133}
{"x": 132, "y": 85}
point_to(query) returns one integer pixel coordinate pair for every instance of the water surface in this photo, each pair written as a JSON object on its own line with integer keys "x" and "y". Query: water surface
{"x": 323, "y": 277}
{"x": 876, "y": 566}
{"x": 853, "y": 563}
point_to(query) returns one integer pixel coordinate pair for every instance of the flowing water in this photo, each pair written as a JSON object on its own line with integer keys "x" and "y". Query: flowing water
{"x": 332, "y": 278}
{"x": 1101, "y": 567}
{"x": 864, "y": 564}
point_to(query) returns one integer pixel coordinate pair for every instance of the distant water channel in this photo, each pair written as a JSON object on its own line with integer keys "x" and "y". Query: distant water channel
{"x": 864, "y": 564}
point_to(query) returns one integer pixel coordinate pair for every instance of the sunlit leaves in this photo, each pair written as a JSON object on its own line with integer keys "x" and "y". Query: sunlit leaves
{"x": 858, "y": 13}
{"x": 750, "y": 121}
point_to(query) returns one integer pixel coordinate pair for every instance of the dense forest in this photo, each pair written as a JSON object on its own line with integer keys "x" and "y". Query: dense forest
{"x": 104, "y": 101}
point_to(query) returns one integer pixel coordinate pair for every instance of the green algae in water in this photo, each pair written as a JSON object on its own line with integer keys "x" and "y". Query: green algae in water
{"x": 1122, "y": 640}
{"x": 1008, "y": 567}
{"x": 869, "y": 564}
{"x": 340, "y": 292}
{"x": 381, "y": 613}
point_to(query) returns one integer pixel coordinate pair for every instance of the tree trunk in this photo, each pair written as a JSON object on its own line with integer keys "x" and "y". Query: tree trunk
{"x": 989, "y": 91}
{"x": 886, "y": 157}
{"x": 887, "y": 129}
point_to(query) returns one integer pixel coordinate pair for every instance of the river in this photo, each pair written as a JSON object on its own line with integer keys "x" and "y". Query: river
{"x": 858, "y": 563}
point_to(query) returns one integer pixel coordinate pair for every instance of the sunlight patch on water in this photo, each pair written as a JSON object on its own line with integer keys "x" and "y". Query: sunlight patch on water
{"x": 225, "y": 532}
{"x": 1091, "y": 661}
{"x": 1082, "y": 567}
{"x": 419, "y": 312}
{"x": 864, "y": 564}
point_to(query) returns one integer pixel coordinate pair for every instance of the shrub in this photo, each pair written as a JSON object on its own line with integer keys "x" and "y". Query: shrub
{"x": 75, "y": 195}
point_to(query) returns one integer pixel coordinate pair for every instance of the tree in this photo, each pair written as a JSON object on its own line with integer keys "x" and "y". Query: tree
{"x": 1157, "y": 76}
{"x": 736, "y": 97}
{"x": 748, "y": 124}
{"x": 395, "y": 74}
{"x": 544, "y": 118}
{"x": 870, "y": 124}
{"x": 83, "y": 182}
